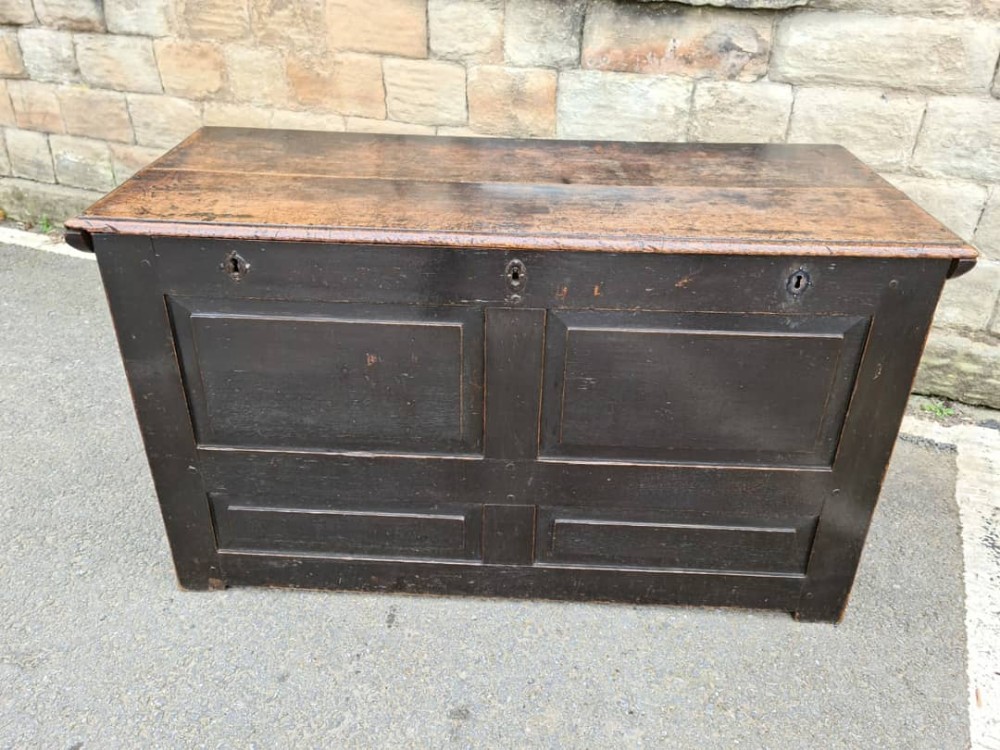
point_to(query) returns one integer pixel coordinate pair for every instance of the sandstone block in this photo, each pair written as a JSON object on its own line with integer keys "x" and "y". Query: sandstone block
{"x": 4, "y": 160}
{"x": 987, "y": 236}
{"x": 95, "y": 113}
{"x": 162, "y": 121}
{"x": 898, "y": 52}
{"x": 48, "y": 55}
{"x": 365, "y": 125}
{"x": 961, "y": 137}
{"x": 36, "y": 106}
{"x": 257, "y": 75}
{"x": 878, "y": 128}
{"x": 16, "y": 12}
{"x": 968, "y": 301}
{"x": 25, "y": 199}
{"x": 29, "y": 154}
{"x": 674, "y": 40}
{"x": 898, "y": 7}
{"x": 742, "y": 4}
{"x": 955, "y": 203}
{"x": 623, "y": 106}
{"x": 82, "y": 162}
{"x": 126, "y": 160}
{"x": 426, "y": 92}
{"x": 543, "y": 33}
{"x": 11, "y": 62}
{"x": 287, "y": 120}
{"x": 6, "y": 110}
{"x": 141, "y": 17}
{"x": 193, "y": 70}
{"x": 225, "y": 114}
{"x": 395, "y": 27}
{"x": 77, "y": 15}
{"x": 964, "y": 368}
{"x": 726, "y": 111}
{"x": 347, "y": 83}
{"x": 223, "y": 20}
{"x": 297, "y": 24}
{"x": 467, "y": 30}
{"x": 512, "y": 101}
{"x": 122, "y": 63}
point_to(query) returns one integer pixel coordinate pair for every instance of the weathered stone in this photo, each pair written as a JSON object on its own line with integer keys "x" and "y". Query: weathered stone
{"x": 193, "y": 70}
{"x": 427, "y": 92}
{"x": 6, "y": 110}
{"x": 126, "y": 160}
{"x": 295, "y": 23}
{"x": 898, "y": 7}
{"x": 224, "y": 20}
{"x": 82, "y": 162}
{"x": 674, "y": 40}
{"x": 48, "y": 55}
{"x": 989, "y": 9}
{"x": 30, "y": 156}
{"x": 512, "y": 101}
{"x": 142, "y": 17}
{"x": 878, "y": 128}
{"x": 955, "y": 203}
{"x": 963, "y": 368}
{"x": 95, "y": 113}
{"x": 740, "y": 112}
{"x": 257, "y": 75}
{"x": 364, "y": 125}
{"x": 36, "y": 106}
{"x": 898, "y": 52}
{"x": 225, "y": 114}
{"x": 625, "y": 106}
{"x": 961, "y": 137}
{"x": 122, "y": 63}
{"x": 987, "y": 236}
{"x": 395, "y": 27}
{"x": 162, "y": 120}
{"x": 347, "y": 83}
{"x": 968, "y": 301}
{"x": 76, "y": 15}
{"x": 742, "y": 4}
{"x": 4, "y": 160}
{"x": 467, "y": 30}
{"x": 461, "y": 131}
{"x": 16, "y": 12}
{"x": 28, "y": 200}
{"x": 11, "y": 62}
{"x": 543, "y": 33}
{"x": 287, "y": 120}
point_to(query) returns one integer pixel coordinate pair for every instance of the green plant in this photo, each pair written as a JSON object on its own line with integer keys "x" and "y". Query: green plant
{"x": 45, "y": 224}
{"x": 938, "y": 408}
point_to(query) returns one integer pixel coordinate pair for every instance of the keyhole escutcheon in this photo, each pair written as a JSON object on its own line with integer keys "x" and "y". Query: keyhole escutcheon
{"x": 798, "y": 282}
{"x": 235, "y": 266}
{"x": 516, "y": 275}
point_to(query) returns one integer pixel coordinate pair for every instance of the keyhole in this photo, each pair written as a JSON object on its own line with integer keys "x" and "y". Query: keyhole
{"x": 516, "y": 275}
{"x": 798, "y": 282}
{"x": 235, "y": 266}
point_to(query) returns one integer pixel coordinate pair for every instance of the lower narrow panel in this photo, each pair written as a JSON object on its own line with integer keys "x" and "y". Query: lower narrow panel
{"x": 543, "y": 582}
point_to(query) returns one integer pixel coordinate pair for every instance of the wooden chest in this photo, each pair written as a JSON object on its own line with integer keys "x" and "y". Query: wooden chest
{"x": 637, "y": 372}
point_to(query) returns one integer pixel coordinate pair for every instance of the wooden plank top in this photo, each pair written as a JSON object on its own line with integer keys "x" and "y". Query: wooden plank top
{"x": 242, "y": 183}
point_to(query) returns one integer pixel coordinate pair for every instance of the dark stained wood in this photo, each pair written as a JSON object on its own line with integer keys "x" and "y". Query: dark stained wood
{"x": 417, "y": 394}
{"x": 543, "y": 195}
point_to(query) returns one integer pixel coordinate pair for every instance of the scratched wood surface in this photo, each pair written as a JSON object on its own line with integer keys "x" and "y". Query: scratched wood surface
{"x": 239, "y": 183}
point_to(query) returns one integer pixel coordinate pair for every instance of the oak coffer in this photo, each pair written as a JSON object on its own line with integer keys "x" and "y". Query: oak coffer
{"x": 623, "y": 371}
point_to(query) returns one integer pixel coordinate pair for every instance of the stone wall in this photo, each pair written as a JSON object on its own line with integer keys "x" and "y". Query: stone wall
{"x": 91, "y": 91}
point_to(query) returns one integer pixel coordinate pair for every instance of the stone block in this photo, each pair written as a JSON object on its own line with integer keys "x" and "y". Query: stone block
{"x": 955, "y": 203}
{"x": 76, "y": 15}
{"x": 394, "y": 27}
{"x": 222, "y": 20}
{"x": 900, "y": 52}
{"x": 29, "y": 154}
{"x": 122, "y": 63}
{"x": 622, "y": 106}
{"x": 28, "y": 200}
{"x": 898, "y": 7}
{"x": 126, "y": 160}
{"x": 281, "y": 23}
{"x": 728, "y": 111}
{"x": 670, "y": 39}
{"x": 878, "y": 128}
{"x": 288, "y": 120}
{"x": 4, "y": 160}
{"x": 11, "y": 62}
{"x": 365, "y": 125}
{"x": 466, "y": 30}
{"x": 960, "y": 137}
{"x": 512, "y": 101}
{"x": 16, "y": 12}
{"x": 36, "y": 106}
{"x": 968, "y": 301}
{"x": 987, "y": 236}
{"x": 257, "y": 75}
{"x": 193, "y": 70}
{"x": 961, "y": 367}
{"x": 162, "y": 121}
{"x": 426, "y": 92}
{"x": 82, "y": 162}
{"x": 347, "y": 83}
{"x": 48, "y": 55}
{"x": 226, "y": 114}
{"x": 6, "y": 110}
{"x": 95, "y": 113}
{"x": 141, "y": 17}
{"x": 543, "y": 33}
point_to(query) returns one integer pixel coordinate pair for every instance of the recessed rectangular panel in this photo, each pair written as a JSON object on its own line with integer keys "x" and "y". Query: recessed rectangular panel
{"x": 655, "y": 539}
{"x": 696, "y": 387}
{"x": 449, "y": 533}
{"x": 332, "y": 377}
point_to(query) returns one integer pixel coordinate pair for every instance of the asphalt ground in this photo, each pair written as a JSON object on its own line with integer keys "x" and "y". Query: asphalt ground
{"x": 99, "y": 648}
